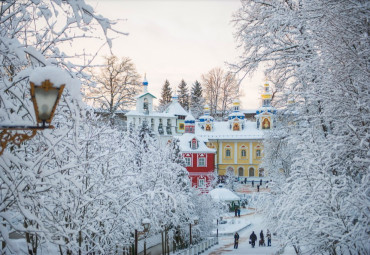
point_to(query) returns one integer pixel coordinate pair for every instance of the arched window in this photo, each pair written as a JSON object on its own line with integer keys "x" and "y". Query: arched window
{"x": 251, "y": 171}
{"x": 265, "y": 124}
{"x": 236, "y": 127}
{"x": 194, "y": 144}
{"x": 241, "y": 171}
{"x": 230, "y": 171}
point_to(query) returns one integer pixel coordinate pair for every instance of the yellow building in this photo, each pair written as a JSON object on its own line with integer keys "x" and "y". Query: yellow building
{"x": 238, "y": 142}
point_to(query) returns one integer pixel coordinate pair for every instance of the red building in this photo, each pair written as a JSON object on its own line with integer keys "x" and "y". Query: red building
{"x": 200, "y": 160}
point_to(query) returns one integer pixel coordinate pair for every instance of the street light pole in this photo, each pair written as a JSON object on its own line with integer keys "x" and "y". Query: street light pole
{"x": 136, "y": 241}
{"x": 190, "y": 235}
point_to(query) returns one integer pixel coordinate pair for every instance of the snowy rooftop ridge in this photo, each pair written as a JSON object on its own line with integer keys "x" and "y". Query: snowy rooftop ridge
{"x": 222, "y": 130}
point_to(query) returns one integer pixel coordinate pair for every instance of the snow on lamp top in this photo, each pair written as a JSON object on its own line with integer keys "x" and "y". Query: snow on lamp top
{"x": 55, "y": 75}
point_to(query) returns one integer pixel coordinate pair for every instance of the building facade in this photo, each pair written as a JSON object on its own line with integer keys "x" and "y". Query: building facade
{"x": 164, "y": 124}
{"x": 199, "y": 159}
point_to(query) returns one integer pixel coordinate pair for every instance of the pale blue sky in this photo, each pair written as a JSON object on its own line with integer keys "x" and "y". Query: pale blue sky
{"x": 177, "y": 39}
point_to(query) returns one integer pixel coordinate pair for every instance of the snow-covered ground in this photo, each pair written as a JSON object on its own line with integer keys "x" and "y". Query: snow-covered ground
{"x": 249, "y": 221}
{"x": 226, "y": 242}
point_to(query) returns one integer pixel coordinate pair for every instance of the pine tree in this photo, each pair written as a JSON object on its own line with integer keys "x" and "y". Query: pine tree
{"x": 183, "y": 95}
{"x": 196, "y": 100}
{"x": 166, "y": 96}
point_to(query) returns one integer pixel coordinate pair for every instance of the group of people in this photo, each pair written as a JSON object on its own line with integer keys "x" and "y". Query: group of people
{"x": 253, "y": 239}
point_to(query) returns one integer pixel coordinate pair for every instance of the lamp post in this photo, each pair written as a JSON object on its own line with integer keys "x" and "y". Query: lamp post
{"x": 146, "y": 225}
{"x": 45, "y": 98}
{"x": 195, "y": 221}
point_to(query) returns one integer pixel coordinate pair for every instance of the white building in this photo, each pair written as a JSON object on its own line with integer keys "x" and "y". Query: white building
{"x": 165, "y": 124}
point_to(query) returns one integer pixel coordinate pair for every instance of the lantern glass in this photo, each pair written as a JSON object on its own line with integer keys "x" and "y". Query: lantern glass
{"x": 45, "y": 99}
{"x": 45, "y": 102}
{"x": 146, "y": 227}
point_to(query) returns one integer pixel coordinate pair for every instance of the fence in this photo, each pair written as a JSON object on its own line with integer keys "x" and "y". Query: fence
{"x": 198, "y": 248}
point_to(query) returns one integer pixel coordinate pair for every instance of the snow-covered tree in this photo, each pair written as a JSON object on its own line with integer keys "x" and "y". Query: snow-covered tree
{"x": 196, "y": 100}
{"x": 166, "y": 96}
{"x": 183, "y": 94}
{"x": 316, "y": 53}
{"x": 220, "y": 90}
{"x": 32, "y": 34}
{"x": 116, "y": 85}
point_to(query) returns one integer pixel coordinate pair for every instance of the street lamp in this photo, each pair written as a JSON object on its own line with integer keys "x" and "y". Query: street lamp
{"x": 195, "y": 221}
{"x": 146, "y": 225}
{"x": 45, "y": 98}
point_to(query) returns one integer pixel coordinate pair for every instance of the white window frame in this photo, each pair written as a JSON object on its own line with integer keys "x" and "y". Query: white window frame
{"x": 228, "y": 150}
{"x": 205, "y": 162}
{"x": 201, "y": 183}
{"x": 245, "y": 153}
{"x": 188, "y": 161}
{"x": 258, "y": 153}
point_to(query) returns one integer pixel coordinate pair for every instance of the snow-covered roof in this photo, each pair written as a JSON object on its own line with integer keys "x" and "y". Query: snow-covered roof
{"x": 152, "y": 114}
{"x": 176, "y": 109}
{"x": 185, "y": 146}
{"x": 189, "y": 118}
{"x": 249, "y": 111}
{"x": 223, "y": 194}
{"x": 146, "y": 93}
{"x": 221, "y": 130}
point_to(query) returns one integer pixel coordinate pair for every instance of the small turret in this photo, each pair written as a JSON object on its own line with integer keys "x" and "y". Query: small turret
{"x": 265, "y": 115}
{"x": 206, "y": 121}
{"x": 190, "y": 124}
{"x": 145, "y": 84}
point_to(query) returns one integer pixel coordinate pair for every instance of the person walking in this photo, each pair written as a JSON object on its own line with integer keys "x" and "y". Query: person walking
{"x": 261, "y": 182}
{"x": 262, "y": 238}
{"x": 253, "y": 239}
{"x": 239, "y": 212}
{"x": 268, "y": 235}
{"x": 252, "y": 183}
{"x": 236, "y": 240}
{"x": 258, "y": 188}
{"x": 236, "y": 211}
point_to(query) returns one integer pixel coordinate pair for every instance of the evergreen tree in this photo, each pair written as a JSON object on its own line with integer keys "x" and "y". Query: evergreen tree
{"x": 196, "y": 100}
{"x": 183, "y": 94}
{"x": 166, "y": 96}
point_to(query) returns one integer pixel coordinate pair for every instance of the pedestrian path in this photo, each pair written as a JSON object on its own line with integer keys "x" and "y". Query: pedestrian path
{"x": 226, "y": 243}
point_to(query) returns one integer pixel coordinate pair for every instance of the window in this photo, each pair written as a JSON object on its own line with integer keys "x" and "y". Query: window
{"x": 194, "y": 144}
{"x": 181, "y": 126}
{"x": 201, "y": 183}
{"x": 201, "y": 161}
{"x": 241, "y": 171}
{"x": 145, "y": 106}
{"x": 228, "y": 153}
{"x": 188, "y": 161}
{"x": 258, "y": 153}
{"x": 244, "y": 153}
{"x": 251, "y": 171}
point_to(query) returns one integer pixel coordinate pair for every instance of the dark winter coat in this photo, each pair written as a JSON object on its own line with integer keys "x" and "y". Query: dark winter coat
{"x": 253, "y": 237}
{"x": 236, "y": 236}
{"x": 261, "y": 236}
